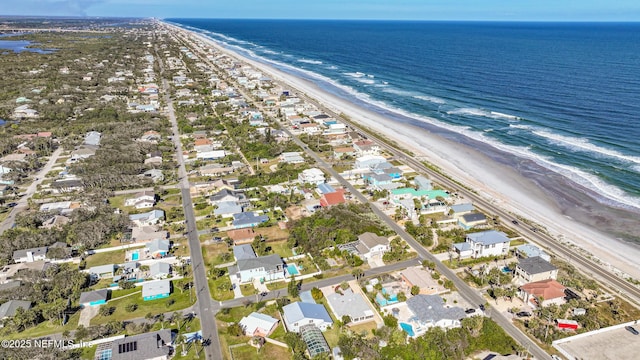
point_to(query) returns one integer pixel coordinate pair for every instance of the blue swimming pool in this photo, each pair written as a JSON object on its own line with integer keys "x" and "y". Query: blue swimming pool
{"x": 292, "y": 270}
{"x": 407, "y": 328}
{"x": 135, "y": 256}
{"x": 505, "y": 269}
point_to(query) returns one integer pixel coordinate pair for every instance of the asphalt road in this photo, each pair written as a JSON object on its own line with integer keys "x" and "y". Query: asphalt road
{"x": 205, "y": 306}
{"x": 23, "y": 202}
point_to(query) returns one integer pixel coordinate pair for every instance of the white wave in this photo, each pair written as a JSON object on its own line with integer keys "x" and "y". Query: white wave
{"x": 520, "y": 126}
{"x": 332, "y": 67}
{"x": 355, "y": 74}
{"x": 482, "y": 113}
{"x": 396, "y": 91}
{"x": 431, "y": 99}
{"x": 580, "y": 144}
{"x": 308, "y": 61}
{"x": 370, "y": 76}
{"x": 589, "y": 181}
{"x": 365, "y": 81}
{"x": 267, "y": 51}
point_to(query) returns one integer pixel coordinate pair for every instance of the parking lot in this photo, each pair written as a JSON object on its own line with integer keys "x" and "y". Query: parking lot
{"x": 614, "y": 344}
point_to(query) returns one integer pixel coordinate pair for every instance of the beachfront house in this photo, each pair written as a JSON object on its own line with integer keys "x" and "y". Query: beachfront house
{"x": 534, "y": 269}
{"x": 529, "y": 250}
{"x": 543, "y": 293}
{"x": 483, "y": 244}
{"x": 299, "y": 314}
{"x": 472, "y": 220}
{"x": 152, "y": 290}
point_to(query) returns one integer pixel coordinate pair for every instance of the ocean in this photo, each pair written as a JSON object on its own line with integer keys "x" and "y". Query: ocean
{"x": 558, "y": 98}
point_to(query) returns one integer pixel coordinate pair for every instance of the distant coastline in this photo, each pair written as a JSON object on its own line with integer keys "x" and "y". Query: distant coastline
{"x": 519, "y": 185}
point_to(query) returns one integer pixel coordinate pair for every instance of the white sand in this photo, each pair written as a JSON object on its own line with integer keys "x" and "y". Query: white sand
{"x": 494, "y": 181}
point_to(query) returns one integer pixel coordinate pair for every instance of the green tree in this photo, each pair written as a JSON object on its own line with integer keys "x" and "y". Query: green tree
{"x": 316, "y": 294}
{"x": 415, "y": 290}
{"x": 293, "y": 289}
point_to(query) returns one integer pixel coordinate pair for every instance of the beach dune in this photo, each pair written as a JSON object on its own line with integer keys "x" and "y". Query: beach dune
{"x": 495, "y": 181}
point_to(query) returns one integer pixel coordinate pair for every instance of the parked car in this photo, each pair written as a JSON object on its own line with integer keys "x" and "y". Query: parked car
{"x": 481, "y": 307}
{"x": 13, "y": 204}
{"x": 523, "y": 314}
{"x": 632, "y": 330}
{"x": 470, "y": 311}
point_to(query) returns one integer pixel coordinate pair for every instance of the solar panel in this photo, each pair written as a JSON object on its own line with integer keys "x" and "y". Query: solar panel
{"x": 127, "y": 347}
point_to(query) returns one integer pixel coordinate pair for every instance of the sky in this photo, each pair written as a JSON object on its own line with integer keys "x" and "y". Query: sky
{"x": 504, "y": 10}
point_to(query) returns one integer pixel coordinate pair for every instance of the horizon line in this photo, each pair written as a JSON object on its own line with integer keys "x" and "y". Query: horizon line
{"x": 325, "y": 19}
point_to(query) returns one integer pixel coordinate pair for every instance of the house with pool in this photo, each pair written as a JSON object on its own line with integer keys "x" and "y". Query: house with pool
{"x": 94, "y": 298}
{"x": 422, "y": 312}
{"x": 263, "y": 268}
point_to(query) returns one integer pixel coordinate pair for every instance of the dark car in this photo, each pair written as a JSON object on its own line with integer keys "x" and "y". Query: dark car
{"x": 470, "y": 311}
{"x": 12, "y": 204}
{"x": 523, "y": 314}
{"x": 632, "y": 330}
{"x": 481, "y": 307}
{"x": 515, "y": 222}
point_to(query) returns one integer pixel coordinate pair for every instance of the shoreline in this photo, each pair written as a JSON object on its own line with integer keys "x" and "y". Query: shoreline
{"x": 495, "y": 180}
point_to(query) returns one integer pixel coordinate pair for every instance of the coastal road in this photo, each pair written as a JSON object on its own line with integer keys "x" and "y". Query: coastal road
{"x": 23, "y": 202}
{"x": 589, "y": 267}
{"x": 206, "y": 308}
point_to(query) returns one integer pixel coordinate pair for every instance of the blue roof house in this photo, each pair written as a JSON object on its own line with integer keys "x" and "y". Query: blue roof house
{"x": 248, "y": 219}
{"x": 298, "y": 314}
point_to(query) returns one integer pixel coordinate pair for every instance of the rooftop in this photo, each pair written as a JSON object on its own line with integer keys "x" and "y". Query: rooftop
{"x": 349, "y": 303}
{"x": 430, "y": 308}
{"x": 488, "y": 237}
{"x": 535, "y": 265}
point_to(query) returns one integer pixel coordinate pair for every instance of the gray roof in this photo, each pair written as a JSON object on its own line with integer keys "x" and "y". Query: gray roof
{"x": 36, "y": 252}
{"x": 531, "y": 250}
{"x": 423, "y": 182}
{"x": 9, "y": 308}
{"x": 226, "y": 192}
{"x": 227, "y": 207}
{"x": 349, "y": 303}
{"x": 306, "y": 297}
{"x": 465, "y": 246}
{"x": 95, "y": 295}
{"x": 488, "y": 237}
{"x": 153, "y": 214}
{"x": 10, "y": 285}
{"x": 129, "y": 266}
{"x": 92, "y": 138}
{"x": 300, "y": 311}
{"x": 246, "y": 218}
{"x": 474, "y": 217}
{"x": 462, "y": 207}
{"x": 101, "y": 269}
{"x": 144, "y": 346}
{"x": 241, "y": 252}
{"x": 158, "y": 268}
{"x": 535, "y": 265}
{"x": 269, "y": 262}
{"x": 151, "y": 288}
{"x": 370, "y": 240}
{"x": 158, "y": 245}
{"x": 430, "y": 308}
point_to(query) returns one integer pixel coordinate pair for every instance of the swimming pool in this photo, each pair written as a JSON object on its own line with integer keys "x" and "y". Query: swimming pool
{"x": 407, "y": 328}
{"x": 505, "y": 269}
{"x": 135, "y": 256}
{"x": 292, "y": 269}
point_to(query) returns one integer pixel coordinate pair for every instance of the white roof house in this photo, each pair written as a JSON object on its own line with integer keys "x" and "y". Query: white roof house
{"x": 312, "y": 176}
{"x": 257, "y": 324}
{"x": 482, "y": 244}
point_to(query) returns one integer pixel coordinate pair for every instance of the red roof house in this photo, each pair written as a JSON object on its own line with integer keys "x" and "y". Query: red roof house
{"x": 333, "y": 198}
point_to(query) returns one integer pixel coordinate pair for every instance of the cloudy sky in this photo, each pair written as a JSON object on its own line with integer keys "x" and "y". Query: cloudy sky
{"x": 540, "y": 10}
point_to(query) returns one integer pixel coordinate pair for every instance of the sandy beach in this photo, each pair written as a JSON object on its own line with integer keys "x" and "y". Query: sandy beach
{"x": 492, "y": 179}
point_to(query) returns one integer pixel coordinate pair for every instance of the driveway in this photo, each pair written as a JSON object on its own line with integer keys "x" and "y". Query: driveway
{"x": 86, "y": 314}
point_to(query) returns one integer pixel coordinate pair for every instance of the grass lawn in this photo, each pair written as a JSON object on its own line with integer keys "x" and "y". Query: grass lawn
{"x": 118, "y": 201}
{"x": 89, "y": 353}
{"x": 105, "y": 258}
{"x": 211, "y": 253}
{"x": 332, "y": 335}
{"x": 517, "y": 242}
{"x": 281, "y": 248}
{"x": 268, "y": 351}
{"x": 219, "y": 288}
{"x": 144, "y": 307}
{"x": 247, "y": 289}
{"x": 277, "y": 285}
{"x": 365, "y": 327}
{"x": 273, "y": 233}
{"x": 44, "y": 328}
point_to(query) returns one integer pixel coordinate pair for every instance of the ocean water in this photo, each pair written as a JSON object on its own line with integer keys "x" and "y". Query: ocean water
{"x": 563, "y": 96}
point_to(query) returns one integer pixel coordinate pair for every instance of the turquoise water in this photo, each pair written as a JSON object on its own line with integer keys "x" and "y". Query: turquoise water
{"x": 506, "y": 269}
{"x": 292, "y": 270}
{"x": 407, "y": 328}
{"x": 384, "y": 302}
{"x": 135, "y": 256}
